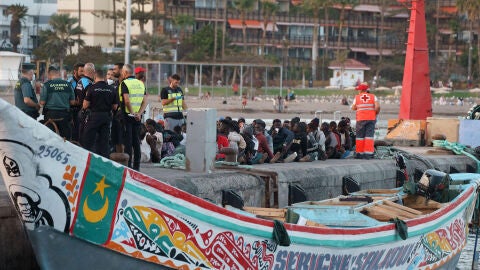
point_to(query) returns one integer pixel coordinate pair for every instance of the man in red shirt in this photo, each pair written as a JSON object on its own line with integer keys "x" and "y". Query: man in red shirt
{"x": 367, "y": 107}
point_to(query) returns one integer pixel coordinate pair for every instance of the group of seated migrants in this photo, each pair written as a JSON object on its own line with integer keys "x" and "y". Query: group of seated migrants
{"x": 256, "y": 143}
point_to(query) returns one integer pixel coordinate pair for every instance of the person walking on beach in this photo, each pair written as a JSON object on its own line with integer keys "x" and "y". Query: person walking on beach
{"x": 25, "y": 97}
{"x": 367, "y": 107}
{"x": 173, "y": 103}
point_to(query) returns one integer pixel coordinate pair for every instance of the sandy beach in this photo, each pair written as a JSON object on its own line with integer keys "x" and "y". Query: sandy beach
{"x": 304, "y": 107}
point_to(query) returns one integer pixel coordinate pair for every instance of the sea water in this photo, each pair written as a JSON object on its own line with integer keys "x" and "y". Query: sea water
{"x": 466, "y": 257}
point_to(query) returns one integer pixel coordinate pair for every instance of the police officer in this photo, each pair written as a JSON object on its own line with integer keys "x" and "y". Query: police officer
{"x": 118, "y": 129}
{"x": 77, "y": 74}
{"x": 367, "y": 107}
{"x": 25, "y": 97}
{"x": 133, "y": 101}
{"x": 56, "y": 97}
{"x": 101, "y": 100}
{"x": 80, "y": 90}
{"x": 173, "y": 103}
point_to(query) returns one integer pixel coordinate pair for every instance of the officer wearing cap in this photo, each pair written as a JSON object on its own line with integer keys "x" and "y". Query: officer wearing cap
{"x": 25, "y": 97}
{"x": 101, "y": 100}
{"x": 367, "y": 107}
{"x": 140, "y": 74}
{"x": 56, "y": 97}
{"x": 132, "y": 98}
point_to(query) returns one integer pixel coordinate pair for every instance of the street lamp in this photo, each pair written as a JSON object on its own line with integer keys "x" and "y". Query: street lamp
{"x": 175, "y": 56}
{"x": 285, "y": 44}
{"x": 469, "y": 77}
{"x": 323, "y": 58}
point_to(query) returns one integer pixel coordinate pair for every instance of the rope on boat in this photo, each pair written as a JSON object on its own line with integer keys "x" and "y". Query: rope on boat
{"x": 175, "y": 162}
{"x": 458, "y": 149}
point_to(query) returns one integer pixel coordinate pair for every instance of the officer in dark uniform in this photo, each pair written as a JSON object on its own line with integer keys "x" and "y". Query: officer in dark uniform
{"x": 80, "y": 91}
{"x": 56, "y": 98}
{"x": 133, "y": 102}
{"x": 77, "y": 74}
{"x": 25, "y": 97}
{"x": 101, "y": 100}
{"x": 118, "y": 129}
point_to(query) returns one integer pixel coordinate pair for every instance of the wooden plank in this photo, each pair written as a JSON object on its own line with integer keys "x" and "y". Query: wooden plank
{"x": 404, "y": 208}
{"x": 420, "y": 202}
{"x": 397, "y": 211}
{"x": 270, "y": 212}
{"x": 382, "y": 214}
{"x": 311, "y": 223}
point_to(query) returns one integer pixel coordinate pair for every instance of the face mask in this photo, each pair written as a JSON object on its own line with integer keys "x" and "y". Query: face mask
{"x": 109, "y": 81}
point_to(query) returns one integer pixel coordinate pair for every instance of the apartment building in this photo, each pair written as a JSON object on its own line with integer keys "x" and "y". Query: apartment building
{"x": 370, "y": 28}
{"x": 38, "y": 15}
{"x": 107, "y": 32}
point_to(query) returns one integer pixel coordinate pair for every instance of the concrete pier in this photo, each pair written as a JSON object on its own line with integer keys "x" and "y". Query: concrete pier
{"x": 320, "y": 179}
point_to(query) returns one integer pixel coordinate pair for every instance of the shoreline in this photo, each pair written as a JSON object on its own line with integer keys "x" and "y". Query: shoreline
{"x": 304, "y": 107}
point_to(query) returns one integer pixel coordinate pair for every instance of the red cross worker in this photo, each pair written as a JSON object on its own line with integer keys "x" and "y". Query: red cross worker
{"x": 367, "y": 107}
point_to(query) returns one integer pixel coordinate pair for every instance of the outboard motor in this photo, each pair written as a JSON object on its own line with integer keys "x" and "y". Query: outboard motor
{"x": 434, "y": 185}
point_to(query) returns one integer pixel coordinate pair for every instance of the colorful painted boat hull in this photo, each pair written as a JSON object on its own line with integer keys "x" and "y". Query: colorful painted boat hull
{"x": 88, "y": 198}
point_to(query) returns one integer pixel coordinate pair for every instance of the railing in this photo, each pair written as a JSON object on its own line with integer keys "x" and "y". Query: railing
{"x": 368, "y": 23}
{"x": 206, "y": 14}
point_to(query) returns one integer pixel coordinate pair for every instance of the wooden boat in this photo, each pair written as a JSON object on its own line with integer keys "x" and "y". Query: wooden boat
{"x": 82, "y": 211}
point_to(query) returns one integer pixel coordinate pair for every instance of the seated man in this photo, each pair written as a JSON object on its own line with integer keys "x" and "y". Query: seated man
{"x": 154, "y": 139}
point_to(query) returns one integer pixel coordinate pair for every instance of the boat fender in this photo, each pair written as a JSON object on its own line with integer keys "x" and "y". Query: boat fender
{"x": 232, "y": 198}
{"x": 296, "y": 194}
{"x": 280, "y": 234}
{"x": 291, "y": 216}
{"x": 349, "y": 185}
{"x": 401, "y": 227}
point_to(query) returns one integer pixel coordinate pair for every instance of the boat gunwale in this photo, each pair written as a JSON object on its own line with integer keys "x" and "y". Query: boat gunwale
{"x": 299, "y": 232}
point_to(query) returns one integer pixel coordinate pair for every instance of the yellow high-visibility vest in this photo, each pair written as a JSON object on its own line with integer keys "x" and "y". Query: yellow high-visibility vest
{"x": 174, "y": 106}
{"x": 136, "y": 93}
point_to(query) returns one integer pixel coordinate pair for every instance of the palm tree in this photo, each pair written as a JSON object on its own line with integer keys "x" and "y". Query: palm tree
{"x": 139, "y": 14}
{"x": 18, "y": 12}
{"x": 343, "y": 5}
{"x": 61, "y": 36}
{"x": 472, "y": 9}
{"x": 269, "y": 9}
{"x": 313, "y": 7}
{"x": 154, "y": 47}
{"x": 243, "y": 7}
{"x": 385, "y": 10}
{"x": 183, "y": 21}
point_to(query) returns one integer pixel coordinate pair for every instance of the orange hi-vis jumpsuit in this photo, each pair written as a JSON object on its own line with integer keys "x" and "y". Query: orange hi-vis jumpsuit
{"x": 365, "y": 126}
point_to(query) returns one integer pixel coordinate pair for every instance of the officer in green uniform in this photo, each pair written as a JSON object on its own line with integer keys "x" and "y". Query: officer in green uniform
{"x": 56, "y": 98}
{"x": 25, "y": 97}
{"x": 133, "y": 102}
